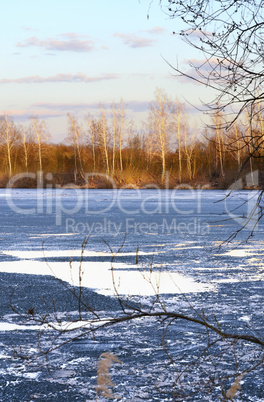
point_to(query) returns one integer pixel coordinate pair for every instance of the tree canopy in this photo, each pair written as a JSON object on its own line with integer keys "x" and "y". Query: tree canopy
{"x": 230, "y": 35}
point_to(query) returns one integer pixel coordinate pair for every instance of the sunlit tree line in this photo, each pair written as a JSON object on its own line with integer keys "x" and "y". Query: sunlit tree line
{"x": 166, "y": 150}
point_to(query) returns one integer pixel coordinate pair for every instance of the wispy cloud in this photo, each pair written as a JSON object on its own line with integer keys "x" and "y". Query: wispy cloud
{"x": 133, "y": 105}
{"x": 135, "y": 41}
{"x": 25, "y": 114}
{"x": 65, "y": 106}
{"x": 197, "y": 33}
{"x": 26, "y": 28}
{"x": 155, "y": 30}
{"x": 57, "y": 78}
{"x": 47, "y": 110}
{"x": 138, "y": 106}
{"x": 65, "y": 42}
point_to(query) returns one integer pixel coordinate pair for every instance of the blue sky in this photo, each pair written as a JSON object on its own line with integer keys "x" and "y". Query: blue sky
{"x": 68, "y": 56}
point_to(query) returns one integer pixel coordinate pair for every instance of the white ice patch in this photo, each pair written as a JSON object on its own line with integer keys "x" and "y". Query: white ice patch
{"x": 244, "y": 318}
{"x": 244, "y": 252}
{"x": 100, "y": 276}
{"x": 185, "y": 246}
{"x": 32, "y": 376}
{"x": 52, "y": 234}
{"x": 238, "y": 253}
{"x": 7, "y": 326}
{"x": 59, "y": 326}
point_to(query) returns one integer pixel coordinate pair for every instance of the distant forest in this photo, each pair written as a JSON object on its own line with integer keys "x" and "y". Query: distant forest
{"x": 109, "y": 150}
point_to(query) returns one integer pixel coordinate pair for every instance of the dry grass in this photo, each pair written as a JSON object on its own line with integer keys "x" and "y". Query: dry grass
{"x": 104, "y": 381}
{"x": 232, "y": 391}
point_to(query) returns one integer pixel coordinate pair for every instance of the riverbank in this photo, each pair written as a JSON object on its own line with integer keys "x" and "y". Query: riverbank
{"x": 145, "y": 180}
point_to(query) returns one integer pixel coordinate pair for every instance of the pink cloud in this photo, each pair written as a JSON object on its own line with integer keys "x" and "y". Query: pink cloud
{"x": 24, "y": 115}
{"x": 134, "y": 105}
{"x": 135, "y": 41}
{"x": 72, "y": 43}
{"x": 57, "y": 78}
{"x": 64, "y": 106}
{"x": 57, "y": 110}
{"x": 196, "y": 33}
{"x": 155, "y": 30}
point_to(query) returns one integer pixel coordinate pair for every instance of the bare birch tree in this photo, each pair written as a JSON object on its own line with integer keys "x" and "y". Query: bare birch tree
{"x": 75, "y": 138}
{"x": 179, "y": 123}
{"x": 25, "y": 147}
{"x": 9, "y": 137}
{"x": 160, "y": 125}
{"x": 189, "y": 151}
{"x": 92, "y": 137}
{"x": 121, "y": 133}
{"x": 103, "y": 139}
{"x": 114, "y": 137}
{"x": 41, "y": 135}
{"x": 218, "y": 126}
{"x": 27, "y": 144}
{"x": 236, "y": 145}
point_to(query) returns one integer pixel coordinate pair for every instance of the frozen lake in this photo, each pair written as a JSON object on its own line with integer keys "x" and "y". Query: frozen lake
{"x": 179, "y": 229}
{"x": 175, "y": 232}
